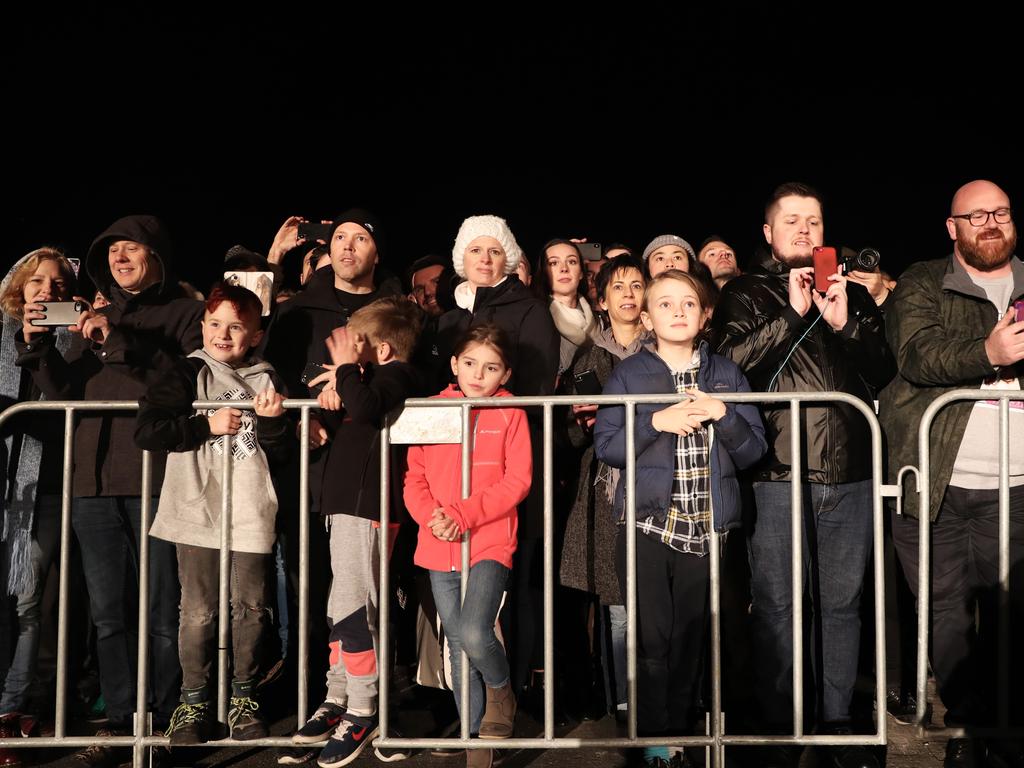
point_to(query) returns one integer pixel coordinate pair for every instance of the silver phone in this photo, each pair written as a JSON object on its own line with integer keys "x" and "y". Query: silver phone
{"x": 60, "y": 313}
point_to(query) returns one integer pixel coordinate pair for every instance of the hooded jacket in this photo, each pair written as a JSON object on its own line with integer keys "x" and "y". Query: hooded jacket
{"x": 190, "y": 499}
{"x": 937, "y": 323}
{"x": 755, "y": 326}
{"x": 738, "y": 441}
{"x": 501, "y": 472}
{"x": 150, "y": 331}
{"x": 525, "y": 318}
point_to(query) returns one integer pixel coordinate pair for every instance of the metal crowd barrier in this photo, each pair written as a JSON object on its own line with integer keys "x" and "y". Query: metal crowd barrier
{"x": 716, "y": 740}
{"x": 923, "y": 473}
{"x": 143, "y": 737}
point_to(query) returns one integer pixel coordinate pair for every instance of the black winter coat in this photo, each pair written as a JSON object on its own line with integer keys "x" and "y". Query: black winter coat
{"x": 755, "y": 326}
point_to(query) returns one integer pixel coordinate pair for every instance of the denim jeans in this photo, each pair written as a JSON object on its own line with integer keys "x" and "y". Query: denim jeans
{"x": 837, "y": 543}
{"x": 107, "y": 528}
{"x": 45, "y": 545}
{"x": 617, "y": 627}
{"x": 470, "y": 626}
{"x": 199, "y": 570}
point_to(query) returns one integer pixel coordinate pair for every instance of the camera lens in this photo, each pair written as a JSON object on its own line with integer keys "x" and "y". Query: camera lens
{"x": 868, "y": 259}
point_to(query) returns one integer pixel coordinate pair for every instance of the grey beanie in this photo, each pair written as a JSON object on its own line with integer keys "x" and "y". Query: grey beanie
{"x": 486, "y": 226}
{"x": 662, "y": 240}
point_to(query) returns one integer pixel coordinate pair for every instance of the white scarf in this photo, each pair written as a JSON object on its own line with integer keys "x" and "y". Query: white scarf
{"x": 575, "y": 325}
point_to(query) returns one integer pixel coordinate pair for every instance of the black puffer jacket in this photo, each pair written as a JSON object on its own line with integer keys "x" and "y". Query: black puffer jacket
{"x": 755, "y": 326}
{"x": 527, "y": 321}
{"x": 151, "y": 331}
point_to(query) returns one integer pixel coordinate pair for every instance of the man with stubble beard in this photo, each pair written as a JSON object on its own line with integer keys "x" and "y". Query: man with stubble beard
{"x": 788, "y": 337}
{"x": 952, "y": 326}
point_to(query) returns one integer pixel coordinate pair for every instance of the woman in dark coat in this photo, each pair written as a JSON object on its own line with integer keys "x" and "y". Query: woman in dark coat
{"x": 486, "y": 255}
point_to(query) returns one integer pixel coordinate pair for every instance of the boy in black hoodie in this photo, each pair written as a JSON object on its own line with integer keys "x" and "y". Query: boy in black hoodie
{"x": 371, "y": 377}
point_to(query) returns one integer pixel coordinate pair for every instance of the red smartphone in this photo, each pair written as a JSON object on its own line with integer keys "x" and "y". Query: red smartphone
{"x": 826, "y": 264}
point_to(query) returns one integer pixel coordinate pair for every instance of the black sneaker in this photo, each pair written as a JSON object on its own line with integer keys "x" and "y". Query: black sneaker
{"x": 190, "y": 724}
{"x": 348, "y": 740}
{"x": 296, "y": 755}
{"x": 243, "y": 721}
{"x": 392, "y": 754}
{"x": 320, "y": 725}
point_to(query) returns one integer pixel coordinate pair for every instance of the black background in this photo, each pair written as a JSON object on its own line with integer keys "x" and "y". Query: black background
{"x": 615, "y": 124}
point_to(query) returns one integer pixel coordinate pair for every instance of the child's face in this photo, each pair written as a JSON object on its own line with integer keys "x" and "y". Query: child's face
{"x": 673, "y": 312}
{"x": 226, "y": 336}
{"x": 479, "y": 371}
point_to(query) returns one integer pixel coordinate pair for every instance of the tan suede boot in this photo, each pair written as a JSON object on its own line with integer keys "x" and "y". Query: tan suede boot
{"x": 500, "y": 714}
{"x": 479, "y": 758}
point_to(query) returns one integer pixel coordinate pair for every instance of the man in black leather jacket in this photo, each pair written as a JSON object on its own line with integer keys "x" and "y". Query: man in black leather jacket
{"x": 788, "y": 337}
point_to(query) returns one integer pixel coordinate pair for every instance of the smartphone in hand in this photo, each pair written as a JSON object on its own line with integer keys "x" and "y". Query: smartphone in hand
{"x": 826, "y": 264}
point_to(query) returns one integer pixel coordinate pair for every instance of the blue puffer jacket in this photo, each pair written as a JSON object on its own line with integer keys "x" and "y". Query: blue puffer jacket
{"x": 738, "y": 440}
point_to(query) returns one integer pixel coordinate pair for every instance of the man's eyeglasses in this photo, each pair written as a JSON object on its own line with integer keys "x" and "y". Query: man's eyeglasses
{"x": 980, "y": 218}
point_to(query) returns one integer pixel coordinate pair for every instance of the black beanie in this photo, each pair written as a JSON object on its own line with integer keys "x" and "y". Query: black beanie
{"x": 364, "y": 219}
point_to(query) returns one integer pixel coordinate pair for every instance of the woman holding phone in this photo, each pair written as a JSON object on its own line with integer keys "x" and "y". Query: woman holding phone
{"x": 31, "y": 452}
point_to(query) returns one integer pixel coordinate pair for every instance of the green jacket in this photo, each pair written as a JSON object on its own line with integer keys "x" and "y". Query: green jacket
{"x": 936, "y": 324}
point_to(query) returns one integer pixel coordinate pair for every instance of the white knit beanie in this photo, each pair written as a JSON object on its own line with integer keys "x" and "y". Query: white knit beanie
{"x": 486, "y": 226}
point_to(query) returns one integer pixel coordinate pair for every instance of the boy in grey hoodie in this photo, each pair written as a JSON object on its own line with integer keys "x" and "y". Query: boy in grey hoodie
{"x": 190, "y": 502}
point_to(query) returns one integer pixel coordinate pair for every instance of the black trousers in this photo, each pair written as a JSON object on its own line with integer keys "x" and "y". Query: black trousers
{"x": 672, "y": 608}
{"x": 964, "y": 597}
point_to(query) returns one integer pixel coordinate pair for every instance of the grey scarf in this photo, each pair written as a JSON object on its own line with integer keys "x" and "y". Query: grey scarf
{"x": 21, "y": 458}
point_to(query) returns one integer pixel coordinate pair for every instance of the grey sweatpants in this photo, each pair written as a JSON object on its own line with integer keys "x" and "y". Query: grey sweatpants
{"x": 352, "y": 612}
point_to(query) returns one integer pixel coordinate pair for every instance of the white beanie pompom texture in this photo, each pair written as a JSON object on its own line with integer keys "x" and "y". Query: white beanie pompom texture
{"x": 486, "y": 226}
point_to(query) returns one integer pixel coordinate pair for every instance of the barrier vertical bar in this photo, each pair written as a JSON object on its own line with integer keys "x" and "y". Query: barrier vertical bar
{"x": 797, "y": 562}
{"x": 631, "y": 565}
{"x": 303, "y": 667}
{"x": 549, "y": 584}
{"x": 924, "y": 568}
{"x": 142, "y": 668}
{"x": 384, "y": 608}
{"x": 60, "y": 715}
{"x": 717, "y": 756}
{"x": 467, "y": 442}
{"x": 224, "y": 585}
{"x": 1004, "y": 564}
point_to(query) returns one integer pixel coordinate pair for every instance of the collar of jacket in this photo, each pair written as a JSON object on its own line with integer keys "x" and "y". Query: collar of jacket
{"x": 957, "y": 280}
{"x": 652, "y": 347}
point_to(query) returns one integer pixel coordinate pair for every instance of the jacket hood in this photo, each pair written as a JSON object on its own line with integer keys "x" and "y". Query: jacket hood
{"x": 147, "y": 230}
{"x": 251, "y": 367}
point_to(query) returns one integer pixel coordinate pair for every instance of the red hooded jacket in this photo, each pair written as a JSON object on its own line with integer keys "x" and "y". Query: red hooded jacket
{"x": 502, "y": 468}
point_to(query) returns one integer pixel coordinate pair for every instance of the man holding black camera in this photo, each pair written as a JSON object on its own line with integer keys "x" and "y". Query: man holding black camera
{"x": 952, "y": 324}
{"x": 789, "y": 337}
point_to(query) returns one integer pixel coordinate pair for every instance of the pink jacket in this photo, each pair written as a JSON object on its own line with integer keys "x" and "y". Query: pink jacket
{"x": 501, "y": 472}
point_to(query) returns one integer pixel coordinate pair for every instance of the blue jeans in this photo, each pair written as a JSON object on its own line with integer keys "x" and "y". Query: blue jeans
{"x": 470, "y": 626}
{"x": 107, "y": 528}
{"x": 837, "y": 543}
{"x": 45, "y": 545}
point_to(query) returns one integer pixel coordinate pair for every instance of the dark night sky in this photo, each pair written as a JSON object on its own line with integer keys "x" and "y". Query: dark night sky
{"x": 616, "y": 126}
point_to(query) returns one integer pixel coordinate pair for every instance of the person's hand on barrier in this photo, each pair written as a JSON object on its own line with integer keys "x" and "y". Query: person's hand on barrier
{"x": 32, "y": 312}
{"x": 270, "y": 403}
{"x": 833, "y": 305}
{"x": 586, "y": 415}
{"x": 226, "y": 421}
{"x": 1005, "y": 343}
{"x": 801, "y": 282}
{"x": 714, "y": 407}
{"x": 679, "y": 418}
{"x": 329, "y": 400}
{"x": 344, "y": 346}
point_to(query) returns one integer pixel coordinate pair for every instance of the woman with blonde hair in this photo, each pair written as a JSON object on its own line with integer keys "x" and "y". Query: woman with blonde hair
{"x": 31, "y": 455}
